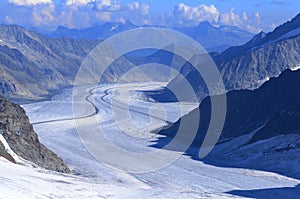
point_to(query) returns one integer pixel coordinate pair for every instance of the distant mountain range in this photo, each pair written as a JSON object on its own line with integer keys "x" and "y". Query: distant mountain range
{"x": 212, "y": 38}
{"x": 33, "y": 66}
{"x": 247, "y": 66}
{"x": 98, "y": 32}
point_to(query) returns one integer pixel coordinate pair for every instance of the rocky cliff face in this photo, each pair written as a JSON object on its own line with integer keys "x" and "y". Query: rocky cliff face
{"x": 252, "y": 69}
{"x": 20, "y": 136}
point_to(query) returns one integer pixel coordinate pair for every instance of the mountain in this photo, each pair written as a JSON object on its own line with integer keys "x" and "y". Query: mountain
{"x": 248, "y": 110}
{"x": 98, "y": 32}
{"x": 269, "y": 114}
{"x": 265, "y": 56}
{"x": 33, "y": 66}
{"x": 18, "y": 137}
{"x": 212, "y": 38}
{"x": 250, "y": 65}
{"x": 287, "y": 30}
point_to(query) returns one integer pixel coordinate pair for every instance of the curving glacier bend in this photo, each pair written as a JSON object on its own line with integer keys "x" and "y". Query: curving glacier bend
{"x": 184, "y": 178}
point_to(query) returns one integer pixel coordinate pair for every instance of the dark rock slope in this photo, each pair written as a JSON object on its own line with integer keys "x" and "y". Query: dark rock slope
{"x": 274, "y": 106}
{"x": 19, "y": 134}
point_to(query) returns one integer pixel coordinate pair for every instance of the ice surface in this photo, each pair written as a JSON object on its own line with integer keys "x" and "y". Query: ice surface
{"x": 184, "y": 178}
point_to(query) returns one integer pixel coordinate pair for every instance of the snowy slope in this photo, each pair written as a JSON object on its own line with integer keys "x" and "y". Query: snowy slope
{"x": 19, "y": 181}
{"x": 8, "y": 150}
{"x": 184, "y": 178}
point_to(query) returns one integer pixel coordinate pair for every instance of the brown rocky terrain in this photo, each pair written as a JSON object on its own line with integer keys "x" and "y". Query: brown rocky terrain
{"x": 19, "y": 134}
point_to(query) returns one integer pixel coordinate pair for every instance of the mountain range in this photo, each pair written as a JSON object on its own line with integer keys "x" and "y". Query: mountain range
{"x": 33, "y": 66}
{"x": 247, "y": 66}
{"x": 212, "y": 38}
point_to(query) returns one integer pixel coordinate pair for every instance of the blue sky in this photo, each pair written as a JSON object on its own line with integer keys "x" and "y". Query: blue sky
{"x": 252, "y": 15}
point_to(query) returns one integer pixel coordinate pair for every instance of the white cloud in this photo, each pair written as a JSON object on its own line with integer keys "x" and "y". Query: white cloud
{"x": 257, "y": 16}
{"x": 66, "y": 19}
{"x": 144, "y": 9}
{"x": 103, "y": 3}
{"x": 245, "y": 16}
{"x": 230, "y": 18}
{"x": 185, "y": 14}
{"x": 78, "y": 2}
{"x": 85, "y": 13}
{"x": 44, "y": 15}
{"x": 29, "y": 2}
{"x": 107, "y": 5}
{"x": 103, "y": 16}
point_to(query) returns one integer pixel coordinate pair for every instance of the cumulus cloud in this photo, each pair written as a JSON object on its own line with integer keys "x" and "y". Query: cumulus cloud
{"x": 103, "y": 16}
{"x": 29, "y": 2}
{"x": 113, "y": 10}
{"x": 230, "y": 18}
{"x": 107, "y": 5}
{"x": 43, "y": 15}
{"x": 144, "y": 9}
{"x": 78, "y": 2}
{"x": 48, "y": 14}
{"x": 185, "y": 14}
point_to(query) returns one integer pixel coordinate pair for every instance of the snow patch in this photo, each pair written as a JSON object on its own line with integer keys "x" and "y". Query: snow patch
{"x": 114, "y": 27}
{"x": 297, "y": 67}
{"x": 8, "y": 149}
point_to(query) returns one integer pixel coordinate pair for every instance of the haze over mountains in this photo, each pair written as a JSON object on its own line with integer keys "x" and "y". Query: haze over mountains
{"x": 212, "y": 38}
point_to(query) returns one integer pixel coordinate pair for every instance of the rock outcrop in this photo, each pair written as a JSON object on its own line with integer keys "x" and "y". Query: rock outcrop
{"x": 21, "y": 138}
